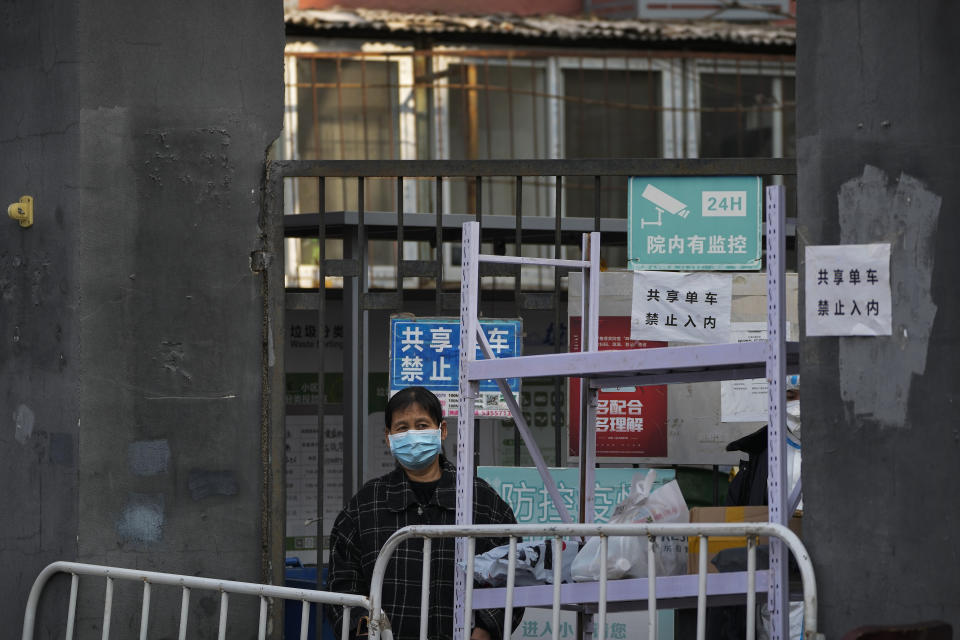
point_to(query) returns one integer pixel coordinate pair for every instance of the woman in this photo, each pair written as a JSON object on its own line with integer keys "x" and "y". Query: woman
{"x": 421, "y": 490}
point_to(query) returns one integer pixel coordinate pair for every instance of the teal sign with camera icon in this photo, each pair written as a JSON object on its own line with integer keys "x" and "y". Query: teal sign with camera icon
{"x": 701, "y": 223}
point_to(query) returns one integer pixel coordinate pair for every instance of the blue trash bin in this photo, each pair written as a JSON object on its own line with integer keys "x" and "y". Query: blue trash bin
{"x": 298, "y": 576}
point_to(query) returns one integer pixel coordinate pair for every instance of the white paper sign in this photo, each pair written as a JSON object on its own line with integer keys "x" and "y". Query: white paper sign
{"x": 745, "y": 400}
{"x": 681, "y": 307}
{"x": 848, "y": 290}
{"x": 301, "y": 467}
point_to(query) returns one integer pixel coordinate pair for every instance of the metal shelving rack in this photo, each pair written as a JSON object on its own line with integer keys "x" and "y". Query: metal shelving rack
{"x": 601, "y": 369}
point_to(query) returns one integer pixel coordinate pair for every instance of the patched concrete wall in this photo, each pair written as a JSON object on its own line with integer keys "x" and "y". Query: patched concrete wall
{"x": 39, "y": 293}
{"x": 131, "y": 320}
{"x": 877, "y": 140}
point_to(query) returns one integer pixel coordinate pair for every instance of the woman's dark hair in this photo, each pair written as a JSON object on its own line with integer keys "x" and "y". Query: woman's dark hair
{"x": 410, "y": 396}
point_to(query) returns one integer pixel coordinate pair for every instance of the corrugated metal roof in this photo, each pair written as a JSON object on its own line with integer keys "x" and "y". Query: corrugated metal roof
{"x": 541, "y": 27}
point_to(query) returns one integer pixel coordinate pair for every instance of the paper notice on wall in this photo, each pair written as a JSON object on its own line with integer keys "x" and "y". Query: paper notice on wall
{"x": 302, "y": 450}
{"x": 745, "y": 400}
{"x": 848, "y": 290}
{"x": 681, "y": 307}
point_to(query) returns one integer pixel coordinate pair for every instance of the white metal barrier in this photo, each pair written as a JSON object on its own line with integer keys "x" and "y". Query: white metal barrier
{"x": 751, "y": 531}
{"x": 186, "y": 584}
{"x": 379, "y": 626}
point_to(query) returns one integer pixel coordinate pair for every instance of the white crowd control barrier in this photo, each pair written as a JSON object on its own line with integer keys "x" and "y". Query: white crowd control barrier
{"x": 226, "y": 588}
{"x": 379, "y": 627}
{"x": 556, "y": 532}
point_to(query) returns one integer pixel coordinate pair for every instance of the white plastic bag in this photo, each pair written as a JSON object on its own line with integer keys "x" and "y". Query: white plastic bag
{"x": 534, "y": 563}
{"x": 627, "y": 555}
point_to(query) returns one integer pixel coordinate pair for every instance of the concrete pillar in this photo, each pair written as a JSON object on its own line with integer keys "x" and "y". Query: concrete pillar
{"x": 130, "y": 323}
{"x": 878, "y": 139}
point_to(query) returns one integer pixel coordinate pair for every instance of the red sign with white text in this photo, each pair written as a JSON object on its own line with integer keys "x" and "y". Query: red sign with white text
{"x": 631, "y": 421}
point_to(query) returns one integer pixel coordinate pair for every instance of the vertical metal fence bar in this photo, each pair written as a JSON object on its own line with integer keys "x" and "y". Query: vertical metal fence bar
{"x": 557, "y": 579}
{"x": 739, "y": 109}
{"x": 478, "y": 192}
{"x": 145, "y": 611}
{"x": 361, "y": 335}
{"x": 685, "y": 65}
{"x": 510, "y": 104}
{"x": 399, "y": 242}
{"x": 224, "y": 603}
{"x": 107, "y": 608}
{"x": 262, "y": 626}
{"x": 321, "y": 386}
{"x": 607, "y": 129}
{"x": 468, "y": 599}
{"x": 314, "y": 89}
{"x": 751, "y": 588}
{"x": 593, "y": 317}
{"x": 341, "y": 132}
{"x": 534, "y": 115}
{"x": 425, "y": 589}
{"x": 511, "y": 581}
{"x": 478, "y": 204}
{"x": 394, "y": 116}
{"x": 626, "y": 113}
{"x": 702, "y": 587}
{"x": 487, "y": 110}
{"x": 305, "y": 619}
{"x": 363, "y": 102}
{"x": 587, "y": 442}
{"x": 469, "y": 130}
{"x": 601, "y": 630}
{"x": 596, "y": 204}
{"x": 655, "y": 114}
{"x": 439, "y": 241}
{"x": 651, "y": 589}
{"x": 558, "y": 418}
{"x": 184, "y": 613}
{"x": 518, "y": 284}
{"x": 581, "y": 97}
{"x": 345, "y": 628}
{"x": 72, "y": 609}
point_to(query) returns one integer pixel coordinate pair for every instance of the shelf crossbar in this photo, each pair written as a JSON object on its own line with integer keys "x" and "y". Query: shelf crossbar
{"x": 621, "y": 362}
{"x": 672, "y": 592}
{"x": 543, "y": 262}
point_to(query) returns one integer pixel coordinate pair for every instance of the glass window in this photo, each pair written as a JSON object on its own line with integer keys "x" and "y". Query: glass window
{"x": 746, "y": 116}
{"x": 498, "y": 110}
{"x": 608, "y": 113}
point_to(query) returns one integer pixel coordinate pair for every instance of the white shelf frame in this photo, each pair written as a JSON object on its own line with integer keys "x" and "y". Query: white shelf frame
{"x": 612, "y": 368}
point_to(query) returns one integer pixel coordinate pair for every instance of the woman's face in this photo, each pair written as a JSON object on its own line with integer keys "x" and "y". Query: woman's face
{"x": 414, "y": 417}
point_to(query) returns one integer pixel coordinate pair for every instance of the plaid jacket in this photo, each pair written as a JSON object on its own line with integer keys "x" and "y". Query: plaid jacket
{"x": 378, "y": 510}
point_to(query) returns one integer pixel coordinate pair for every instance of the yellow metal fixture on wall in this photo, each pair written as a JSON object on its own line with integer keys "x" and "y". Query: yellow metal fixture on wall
{"x": 22, "y": 211}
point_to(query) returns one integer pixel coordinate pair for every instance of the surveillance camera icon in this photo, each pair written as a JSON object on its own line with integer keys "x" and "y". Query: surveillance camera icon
{"x": 663, "y": 202}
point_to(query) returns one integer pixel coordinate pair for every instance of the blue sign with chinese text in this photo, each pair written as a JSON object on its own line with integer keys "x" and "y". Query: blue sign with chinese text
{"x": 426, "y": 352}
{"x": 694, "y": 223}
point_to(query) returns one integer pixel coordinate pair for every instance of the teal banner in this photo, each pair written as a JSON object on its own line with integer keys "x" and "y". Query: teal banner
{"x": 523, "y": 489}
{"x": 694, "y": 223}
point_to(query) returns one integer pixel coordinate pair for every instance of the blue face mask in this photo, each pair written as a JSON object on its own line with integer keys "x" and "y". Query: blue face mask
{"x": 415, "y": 449}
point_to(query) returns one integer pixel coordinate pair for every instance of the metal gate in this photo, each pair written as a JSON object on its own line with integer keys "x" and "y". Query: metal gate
{"x": 352, "y": 225}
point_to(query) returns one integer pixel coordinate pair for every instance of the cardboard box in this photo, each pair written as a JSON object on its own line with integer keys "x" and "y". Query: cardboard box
{"x": 716, "y": 544}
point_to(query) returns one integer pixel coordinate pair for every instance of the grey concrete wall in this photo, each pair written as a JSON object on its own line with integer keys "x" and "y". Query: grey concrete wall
{"x": 878, "y": 137}
{"x": 131, "y": 317}
{"x": 39, "y": 335}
